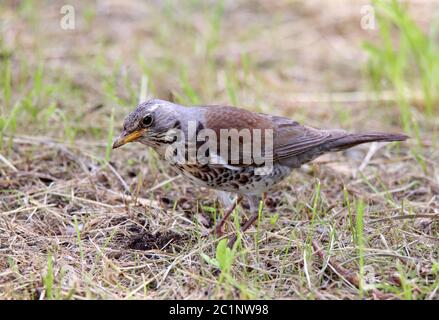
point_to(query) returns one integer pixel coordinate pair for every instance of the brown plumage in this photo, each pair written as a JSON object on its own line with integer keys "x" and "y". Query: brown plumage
{"x": 292, "y": 145}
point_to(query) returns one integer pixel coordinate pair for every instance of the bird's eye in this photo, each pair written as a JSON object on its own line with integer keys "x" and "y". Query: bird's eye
{"x": 147, "y": 121}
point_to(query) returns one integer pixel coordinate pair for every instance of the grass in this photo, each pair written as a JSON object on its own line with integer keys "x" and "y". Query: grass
{"x": 359, "y": 232}
{"x": 81, "y": 221}
{"x": 407, "y": 60}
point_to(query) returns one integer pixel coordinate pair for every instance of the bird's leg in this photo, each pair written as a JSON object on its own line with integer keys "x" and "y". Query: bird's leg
{"x": 254, "y": 210}
{"x": 228, "y": 205}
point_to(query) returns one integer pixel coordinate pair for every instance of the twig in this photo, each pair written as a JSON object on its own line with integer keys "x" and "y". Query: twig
{"x": 350, "y": 276}
{"x": 407, "y": 216}
{"x": 142, "y": 201}
{"x": 161, "y": 184}
{"x": 8, "y": 163}
{"x": 122, "y": 181}
{"x": 374, "y": 147}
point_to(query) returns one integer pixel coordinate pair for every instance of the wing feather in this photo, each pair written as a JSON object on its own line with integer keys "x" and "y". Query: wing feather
{"x": 292, "y": 138}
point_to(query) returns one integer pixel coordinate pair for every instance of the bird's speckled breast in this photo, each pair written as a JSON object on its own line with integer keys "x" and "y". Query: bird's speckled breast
{"x": 241, "y": 180}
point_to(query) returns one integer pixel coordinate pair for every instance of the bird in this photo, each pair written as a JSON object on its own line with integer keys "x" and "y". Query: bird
{"x": 176, "y": 133}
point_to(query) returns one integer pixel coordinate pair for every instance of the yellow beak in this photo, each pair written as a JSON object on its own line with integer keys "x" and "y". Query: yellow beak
{"x": 124, "y": 138}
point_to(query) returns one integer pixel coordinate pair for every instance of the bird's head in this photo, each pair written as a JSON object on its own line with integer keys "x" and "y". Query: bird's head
{"x": 149, "y": 123}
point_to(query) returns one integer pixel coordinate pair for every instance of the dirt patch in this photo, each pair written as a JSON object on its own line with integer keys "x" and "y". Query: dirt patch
{"x": 158, "y": 241}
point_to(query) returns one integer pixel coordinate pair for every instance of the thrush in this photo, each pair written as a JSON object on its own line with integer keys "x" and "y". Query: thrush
{"x": 238, "y": 153}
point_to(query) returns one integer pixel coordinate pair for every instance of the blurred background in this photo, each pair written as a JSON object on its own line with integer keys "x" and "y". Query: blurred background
{"x": 64, "y": 68}
{"x": 70, "y": 71}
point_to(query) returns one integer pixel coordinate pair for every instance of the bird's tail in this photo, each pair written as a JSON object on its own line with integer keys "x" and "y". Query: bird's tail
{"x": 342, "y": 140}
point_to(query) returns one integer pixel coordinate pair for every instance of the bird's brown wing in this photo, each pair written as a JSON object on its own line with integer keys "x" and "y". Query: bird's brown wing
{"x": 289, "y": 137}
{"x": 225, "y": 117}
{"x": 292, "y": 142}
{"x": 292, "y": 139}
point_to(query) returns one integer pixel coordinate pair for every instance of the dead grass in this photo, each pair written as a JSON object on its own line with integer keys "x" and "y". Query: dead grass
{"x": 73, "y": 225}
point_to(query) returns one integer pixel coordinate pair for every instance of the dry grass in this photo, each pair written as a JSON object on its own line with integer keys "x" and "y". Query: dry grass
{"x": 75, "y": 225}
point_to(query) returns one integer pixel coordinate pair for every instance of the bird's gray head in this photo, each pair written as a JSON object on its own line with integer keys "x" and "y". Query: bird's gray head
{"x": 149, "y": 123}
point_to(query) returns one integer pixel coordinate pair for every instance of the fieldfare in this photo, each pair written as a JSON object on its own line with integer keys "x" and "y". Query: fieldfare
{"x": 236, "y": 152}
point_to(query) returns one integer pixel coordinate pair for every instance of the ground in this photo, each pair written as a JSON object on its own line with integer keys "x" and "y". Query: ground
{"x": 80, "y": 221}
